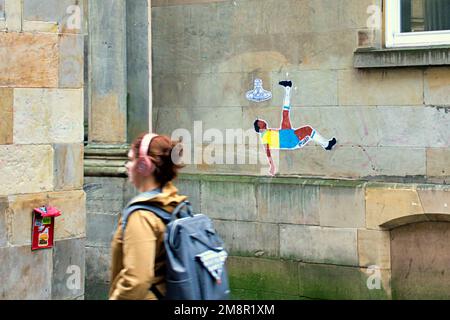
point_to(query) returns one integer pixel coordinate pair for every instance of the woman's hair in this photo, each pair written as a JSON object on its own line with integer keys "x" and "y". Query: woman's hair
{"x": 160, "y": 152}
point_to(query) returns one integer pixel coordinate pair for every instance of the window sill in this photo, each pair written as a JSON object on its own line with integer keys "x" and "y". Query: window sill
{"x": 401, "y": 57}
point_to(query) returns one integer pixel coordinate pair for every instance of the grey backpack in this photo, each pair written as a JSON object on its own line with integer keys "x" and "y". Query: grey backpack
{"x": 195, "y": 263}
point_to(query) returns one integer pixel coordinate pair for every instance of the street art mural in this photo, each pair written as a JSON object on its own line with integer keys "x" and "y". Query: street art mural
{"x": 286, "y": 137}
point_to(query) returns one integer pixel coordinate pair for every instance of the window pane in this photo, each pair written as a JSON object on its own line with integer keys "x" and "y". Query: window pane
{"x": 425, "y": 15}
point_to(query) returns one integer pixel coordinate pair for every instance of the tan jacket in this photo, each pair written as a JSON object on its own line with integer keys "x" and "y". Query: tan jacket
{"x": 138, "y": 261}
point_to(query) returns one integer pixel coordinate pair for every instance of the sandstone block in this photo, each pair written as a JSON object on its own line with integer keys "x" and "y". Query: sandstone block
{"x": 29, "y": 60}
{"x": 100, "y": 229}
{"x": 249, "y": 238}
{"x": 68, "y": 269}
{"x": 231, "y": 201}
{"x": 342, "y": 207}
{"x": 72, "y": 222}
{"x": 375, "y": 87}
{"x": 98, "y": 261}
{"x": 6, "y": 114}
{"x": 437, "y": 86}
{"x": 284, "y": 203}
{"x": 104, "y": 195}
{"x": 68, "y": 166}
{"x": 438, "y": 162}
{"x": 384, "y": 205}
{"x": 18, "y": 274}
{"x": 71, "y": 62}
{"x": 48, "y": 116}
{"x": 374, "y": 248}
{"x": 319, "y": 245}
{"x": 27, "y": 169}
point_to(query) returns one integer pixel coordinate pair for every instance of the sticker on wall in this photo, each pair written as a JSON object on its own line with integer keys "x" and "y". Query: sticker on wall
{"x": 43, "y": 227}
{"x": 258, "y": 94}
{"x": 286, "y": 137}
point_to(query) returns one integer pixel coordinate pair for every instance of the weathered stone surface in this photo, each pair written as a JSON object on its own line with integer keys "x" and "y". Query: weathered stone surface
{"x": 374, "y": 248}
{"x": 6, "y": 114}
{"x": 18, "y": 274}
{"x": 187, "y": 58}
{"x": 129, "y": 193}
{"x": 231, "y": 201}
{"x": 68, "y": 166}
{"x": 159, "y": 3}
{"x": 3, "y": 222}
{"x": 375, "y": 87}
{"x": 100, "y": 229}
{"x": 98, "y": 261}
{"x": 40, "y": 26}
{"x": 68, "y": 269}
{"x": 311, "y": 88}
{"x": 437, "y": 86}
{"x": 139, "y": 67}
{"x": 69, "y": 225}
{"x": 438, "y": 162}
{"x": 224, "y": 90}
{"x": 420, "y": 260}
{"x": 27, "y": 169}
{"x": 328, "y": 50}
{"x": 101, "y": 128}
{"x": 190, "y": 188}
{"x": 13, "y": 9}
{"x": 365, "y": 161}
{"x": 168, "y": 120}
{"x": 107, "y": 47}
{"x": 57, "y": 116}
{"x": 249, "y": 238}
{"x": 384, "y": 205}
{"x": 56, "y": 11}
{"x": 104, "y": 195}
{"x": 72, "y": 222}
{"x": 340, "y": 283}
{"x": 28, "y": 60}
{"x": 284, "y": 203}
{"x": 392, "y": 132}
{"x": 171, "y": 90}
{"x": 71, "y": 61}
{"x": 20, "y": 209}
{"x": 435, "y": 201}
{"x": 263, "y": 275}
{"x": 319, "y": 245}
{"x": 342, "y": 207}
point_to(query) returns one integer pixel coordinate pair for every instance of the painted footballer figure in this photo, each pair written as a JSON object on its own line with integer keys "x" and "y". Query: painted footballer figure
{"x": 286, "y": 137}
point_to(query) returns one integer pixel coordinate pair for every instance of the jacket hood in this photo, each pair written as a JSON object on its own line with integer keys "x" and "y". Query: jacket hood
{"x": 168, "y": 199}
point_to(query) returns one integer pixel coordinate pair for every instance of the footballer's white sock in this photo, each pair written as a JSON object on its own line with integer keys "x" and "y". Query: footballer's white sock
{"x": 317, "y": 138}
{"x": 287, "y": 98}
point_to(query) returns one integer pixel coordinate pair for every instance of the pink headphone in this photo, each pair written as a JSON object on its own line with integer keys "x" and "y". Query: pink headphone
{"x": 144, "y": 165}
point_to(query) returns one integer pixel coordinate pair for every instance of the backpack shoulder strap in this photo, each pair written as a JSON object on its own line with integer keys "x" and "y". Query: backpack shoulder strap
{"x": 162, "y": 214}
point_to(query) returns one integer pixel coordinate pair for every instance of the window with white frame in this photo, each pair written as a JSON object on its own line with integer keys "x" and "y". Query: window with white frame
{"x": 417, "y": 23}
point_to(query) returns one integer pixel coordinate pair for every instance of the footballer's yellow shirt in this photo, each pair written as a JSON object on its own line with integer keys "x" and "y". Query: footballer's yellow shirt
{"x": 271, "y": 138}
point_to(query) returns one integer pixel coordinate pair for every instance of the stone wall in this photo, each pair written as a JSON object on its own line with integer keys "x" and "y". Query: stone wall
{"x": 318, "y": 228}
{"x": 41, "y": 145}
{"x": 290, "y": 237}
{"x": 388, "y": 122}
